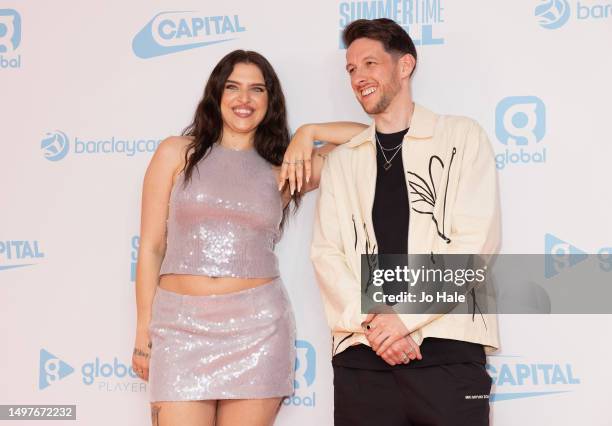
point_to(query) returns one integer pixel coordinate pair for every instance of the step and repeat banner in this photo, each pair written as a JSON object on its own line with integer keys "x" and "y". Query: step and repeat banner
{"x": 89, "y": 89}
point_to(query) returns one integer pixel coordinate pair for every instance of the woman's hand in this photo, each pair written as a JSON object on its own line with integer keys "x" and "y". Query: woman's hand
{"x": 297, "y": 165}
{"x": 141, "y": 354}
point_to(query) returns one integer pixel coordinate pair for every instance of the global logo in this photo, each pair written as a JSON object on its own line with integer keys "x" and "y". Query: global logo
{"x": 171, "y": 32}
{"x": 55, "y": 145}
{"x": 520, "y": 121}
{"x": 515, "y": 377}
{"x": 305, "y": 373}
{"x": 553, "y": 14}
{"x": 10, "y": 38}
{"x": 103, "y": 374}
{"x": 19, "y": 253}
{"x": 10, "y": 30}
{"x": 51, "y": 369}
{"x": 421, "y": 19}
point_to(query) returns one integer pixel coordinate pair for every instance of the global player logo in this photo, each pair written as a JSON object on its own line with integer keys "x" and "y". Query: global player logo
{"x": 560, "y": 255}
{"x": 51, "y": 369}
{"x": 55, "y": 145}
{"x": 171, "y": 32}
{"x": 112, "y": 376}
{"x": 553, "y": 14}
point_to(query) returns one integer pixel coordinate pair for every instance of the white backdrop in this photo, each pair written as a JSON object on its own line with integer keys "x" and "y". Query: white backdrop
{"x": 88, "y": 89}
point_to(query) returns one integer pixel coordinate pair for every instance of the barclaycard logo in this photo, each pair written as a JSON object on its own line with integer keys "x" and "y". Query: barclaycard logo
{"x": 421, "y": 19}
{"x": 305, "y": 374}
{"x": 553, "y": 14}
{"x": 20, "y": 251}
{"x": 56, "y": 145}
{"x": 514, "y": 377}
{"x": 171, "y": 32}
{"x": 51, "y": 369}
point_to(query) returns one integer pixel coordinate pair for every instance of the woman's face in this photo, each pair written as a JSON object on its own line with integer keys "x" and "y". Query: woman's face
{"x": 245, "y": 99}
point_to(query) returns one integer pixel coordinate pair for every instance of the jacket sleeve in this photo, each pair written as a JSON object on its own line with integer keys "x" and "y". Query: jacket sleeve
{"x": 475, "y": 217}
{"x": 340, "y": 288}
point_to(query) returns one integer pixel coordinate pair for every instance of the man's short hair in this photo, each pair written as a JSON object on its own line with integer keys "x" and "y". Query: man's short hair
{"x": 395, "y": 40}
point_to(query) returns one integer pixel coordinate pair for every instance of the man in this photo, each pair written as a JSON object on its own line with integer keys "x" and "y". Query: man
{"x": 414, "y": 182}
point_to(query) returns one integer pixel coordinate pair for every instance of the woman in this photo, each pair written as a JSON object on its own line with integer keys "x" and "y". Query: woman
{"x": 212, "y": 313}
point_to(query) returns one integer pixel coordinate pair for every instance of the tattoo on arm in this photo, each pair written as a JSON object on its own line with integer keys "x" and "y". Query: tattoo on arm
{"x": 155, "y": 409}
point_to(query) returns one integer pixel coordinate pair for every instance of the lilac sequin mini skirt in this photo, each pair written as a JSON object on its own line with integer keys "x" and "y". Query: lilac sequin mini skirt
{"x": 231, "y": 346}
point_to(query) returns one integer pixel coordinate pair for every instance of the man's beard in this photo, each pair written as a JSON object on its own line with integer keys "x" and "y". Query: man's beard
{"x": 388, "y": 94}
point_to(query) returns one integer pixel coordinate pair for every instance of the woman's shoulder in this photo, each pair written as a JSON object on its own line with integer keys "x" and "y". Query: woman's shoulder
{"x": 171, "y": 151}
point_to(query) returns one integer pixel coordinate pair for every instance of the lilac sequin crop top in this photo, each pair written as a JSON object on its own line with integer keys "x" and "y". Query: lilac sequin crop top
{"x": 225, "y": 223}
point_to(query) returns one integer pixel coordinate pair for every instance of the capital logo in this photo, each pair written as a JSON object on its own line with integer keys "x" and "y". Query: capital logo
{"x": 560, "y": 255}
{"x": 520, "y": 120}
{"x": 55, "y": 145}
{"x": 515, "y": 377}
{"x": 305, "y": 364}
{"x": 10, "y": 30}
{"x": 171, "y": 32}
{"x": 19, "y": 250}
{"x": 51, "y": 369}
{"x": 553, "y": 14}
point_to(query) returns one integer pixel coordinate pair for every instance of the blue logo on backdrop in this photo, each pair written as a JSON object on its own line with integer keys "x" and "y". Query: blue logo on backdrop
{"x": 56, "y": 145}
{"x": 520, "y": 121}
{"x": 113, "y": 376}
{"x": 305, "y": 374}
{"x": 553, "y": 14}
{"x": 419, "y": 18}
{"x": 20, "y": 251}
{"x": 134, "y": 256}
{"x": 560, "y": 255}
{"x": 10, "y": 38}
{"x": 171, "y": 32}
{"x": 51, "y": 369}
{"x": 515, "y": 378}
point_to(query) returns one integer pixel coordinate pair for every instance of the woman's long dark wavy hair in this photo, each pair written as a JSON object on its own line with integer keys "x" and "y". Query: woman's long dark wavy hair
{"x": 272, "y": 135}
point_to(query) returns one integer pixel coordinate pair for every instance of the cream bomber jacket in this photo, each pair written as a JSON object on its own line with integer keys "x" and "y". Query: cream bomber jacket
{"x": 454, "y": 208}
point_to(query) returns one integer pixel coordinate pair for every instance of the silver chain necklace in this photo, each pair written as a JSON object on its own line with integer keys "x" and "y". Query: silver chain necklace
{"x": 397, "y": 149}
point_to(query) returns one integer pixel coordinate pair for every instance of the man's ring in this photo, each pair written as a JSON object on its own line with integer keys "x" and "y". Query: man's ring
{"x": 405, "y": 358}
{"x": 287, "y": 162}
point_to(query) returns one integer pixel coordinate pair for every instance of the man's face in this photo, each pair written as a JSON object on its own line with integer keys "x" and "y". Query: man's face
{"x": 374, "y": 74}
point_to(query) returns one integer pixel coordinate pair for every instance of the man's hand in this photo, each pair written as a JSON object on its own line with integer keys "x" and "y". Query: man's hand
{"x": 389, "y": 337}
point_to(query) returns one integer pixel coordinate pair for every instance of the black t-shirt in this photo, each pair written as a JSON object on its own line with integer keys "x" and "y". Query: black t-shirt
{"x": 391, "y": 217}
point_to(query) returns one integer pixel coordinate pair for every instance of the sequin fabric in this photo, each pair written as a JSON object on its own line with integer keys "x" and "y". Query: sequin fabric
{"x": 225, "y": 223}
{"x": 229, "y": 346}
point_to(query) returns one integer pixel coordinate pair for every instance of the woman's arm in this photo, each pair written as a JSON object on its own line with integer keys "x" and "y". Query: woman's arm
{"x": 299, "y": 166}
{"x": 158, "y": 181}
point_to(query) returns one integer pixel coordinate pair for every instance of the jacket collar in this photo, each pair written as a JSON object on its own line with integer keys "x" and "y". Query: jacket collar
{"x": 422, "y": 126}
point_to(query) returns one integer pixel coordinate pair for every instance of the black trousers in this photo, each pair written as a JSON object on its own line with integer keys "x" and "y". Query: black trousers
{"x": 440, "y": 395}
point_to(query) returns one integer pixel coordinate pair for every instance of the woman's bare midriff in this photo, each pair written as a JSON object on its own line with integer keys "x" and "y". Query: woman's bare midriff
{"x": 201, "y": 285}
